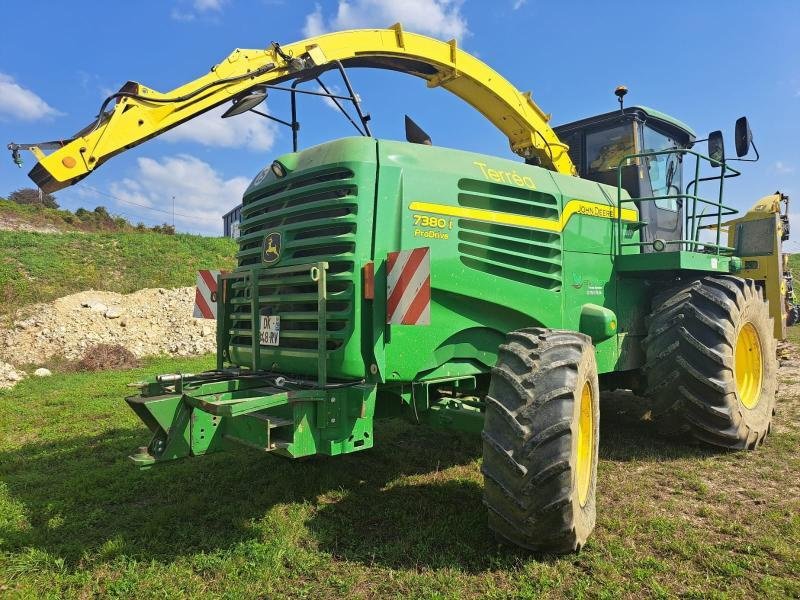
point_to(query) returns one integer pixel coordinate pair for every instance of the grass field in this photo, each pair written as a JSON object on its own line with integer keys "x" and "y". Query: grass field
{"x": 404, "y": 519}
{"x": 37, "y": 267}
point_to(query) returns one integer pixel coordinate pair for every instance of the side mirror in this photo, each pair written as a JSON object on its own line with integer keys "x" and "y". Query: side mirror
{"x": 743, "y": 137}
{"x": 716, "y": 148}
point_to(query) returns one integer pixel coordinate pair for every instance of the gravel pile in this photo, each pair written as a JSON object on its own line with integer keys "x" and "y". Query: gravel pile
{"x": 147, "y": 322}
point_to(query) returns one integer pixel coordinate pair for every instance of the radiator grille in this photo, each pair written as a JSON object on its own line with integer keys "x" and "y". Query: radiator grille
{"x": 315, "y": 212}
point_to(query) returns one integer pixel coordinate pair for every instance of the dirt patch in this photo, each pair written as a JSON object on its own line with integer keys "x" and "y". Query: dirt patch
{"x": 146, "y": 323}
{"x": 11, "y": 223}
{"x": 788, "y": 387}
{"x": 106, "y": 356}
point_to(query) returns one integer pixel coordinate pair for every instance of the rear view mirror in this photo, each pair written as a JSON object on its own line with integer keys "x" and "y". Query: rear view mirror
{"x": 716, "y": 148}
{"x": 743, "y": 137}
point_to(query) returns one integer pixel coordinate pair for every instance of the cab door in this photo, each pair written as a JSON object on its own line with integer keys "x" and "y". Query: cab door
{"x": 659, "y": 176}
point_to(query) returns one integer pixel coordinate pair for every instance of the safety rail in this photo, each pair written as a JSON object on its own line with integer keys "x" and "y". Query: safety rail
{"x": 692, "y": 221}
{"x": 251, "y": 280}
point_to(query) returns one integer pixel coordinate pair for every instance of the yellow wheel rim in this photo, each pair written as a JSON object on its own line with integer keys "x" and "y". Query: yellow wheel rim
{"x": 583, "y": 466}
{"x": 749, "y": 367}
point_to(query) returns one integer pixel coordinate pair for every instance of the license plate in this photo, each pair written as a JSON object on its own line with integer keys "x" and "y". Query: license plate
{"x": 270, "y": 330}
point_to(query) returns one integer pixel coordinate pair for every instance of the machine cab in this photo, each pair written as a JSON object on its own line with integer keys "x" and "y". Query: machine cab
{"x": 598, "y": 144}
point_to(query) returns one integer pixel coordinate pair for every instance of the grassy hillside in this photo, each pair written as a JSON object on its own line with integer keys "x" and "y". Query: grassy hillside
{"x": 36, "y": 267}
{"x": 794, "y": 264}
{"x": 402, "y": 520}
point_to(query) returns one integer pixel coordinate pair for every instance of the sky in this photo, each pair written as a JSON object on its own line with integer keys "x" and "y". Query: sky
{"x": 706, "y": 63}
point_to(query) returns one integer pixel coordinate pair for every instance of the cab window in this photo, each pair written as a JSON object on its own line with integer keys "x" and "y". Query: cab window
{"x": 664, "y": 170}
{"x": 606, "y": 148}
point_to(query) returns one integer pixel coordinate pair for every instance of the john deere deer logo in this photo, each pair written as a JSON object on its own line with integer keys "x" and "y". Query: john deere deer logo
{"x": 272, "y": 248}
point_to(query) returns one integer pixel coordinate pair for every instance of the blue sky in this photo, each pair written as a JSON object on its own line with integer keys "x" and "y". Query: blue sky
{"x": 706, "y": 63}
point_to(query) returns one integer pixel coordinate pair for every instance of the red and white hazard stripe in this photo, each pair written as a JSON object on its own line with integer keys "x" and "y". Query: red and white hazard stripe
{"x": 408, "y": 287}
{"x": 205, "y": 295}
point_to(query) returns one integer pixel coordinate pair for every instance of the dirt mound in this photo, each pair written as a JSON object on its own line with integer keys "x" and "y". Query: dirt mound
{"x": 106, "y": 356}
{"x": 146, "y": 323}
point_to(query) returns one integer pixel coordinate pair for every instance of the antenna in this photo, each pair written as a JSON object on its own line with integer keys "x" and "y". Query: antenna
{"x": 620, "y": 94}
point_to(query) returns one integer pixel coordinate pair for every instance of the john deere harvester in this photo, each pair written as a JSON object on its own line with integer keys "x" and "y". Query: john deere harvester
{"x": 380, "y": 278}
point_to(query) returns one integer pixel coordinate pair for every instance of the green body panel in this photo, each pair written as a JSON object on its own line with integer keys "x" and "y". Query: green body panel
{"x": 470, "y": 283}
{"x": 486, "y": 279}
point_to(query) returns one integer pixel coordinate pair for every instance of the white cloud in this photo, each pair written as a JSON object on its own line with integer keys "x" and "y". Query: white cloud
{"x": 247, "y": 130}
{"x": 315, "y": 23}
{"x": 202, "y": 195}
{"x": 92, "y": 83}
{"x": 208, "y": 5}
{"x": 20, "y": 103}
{"x": 518, "y": 4}
{"x": 336, "y": 91}
{"x": 782, "y": 168}
{"x": 439, "y": 18}
{"x": 199, "y": 7}
{"x": 180, "y": 15}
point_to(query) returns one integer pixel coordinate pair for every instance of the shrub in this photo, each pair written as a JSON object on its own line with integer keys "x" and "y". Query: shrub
{"x": 31, "y": 196}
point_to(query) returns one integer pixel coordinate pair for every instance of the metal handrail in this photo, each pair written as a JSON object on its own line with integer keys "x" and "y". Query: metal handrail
{"x": 692, "y": 219}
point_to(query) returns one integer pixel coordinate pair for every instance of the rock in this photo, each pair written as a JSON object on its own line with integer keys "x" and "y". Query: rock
{"x": 113, "y": 313}
{"x": 13, "y": 375}
{"x": 9, "y": 376}
{"x": 123, "y": 322}
{"x": 95, "y": 306}
{"x": 42, "y": 372}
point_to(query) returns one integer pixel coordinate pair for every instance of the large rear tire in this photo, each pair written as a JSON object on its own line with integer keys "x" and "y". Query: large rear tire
{"x": 540, "y": 440}
{"x": 711, "y": 361}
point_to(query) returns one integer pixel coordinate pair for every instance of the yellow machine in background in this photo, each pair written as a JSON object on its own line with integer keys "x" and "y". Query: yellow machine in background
{"x": 758, "y": 237}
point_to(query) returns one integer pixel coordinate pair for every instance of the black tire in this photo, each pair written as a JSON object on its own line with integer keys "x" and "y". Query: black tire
{"x": 793, "y": 316}
{"x": 539, "y": 495}
{"x": 694, "y": 333}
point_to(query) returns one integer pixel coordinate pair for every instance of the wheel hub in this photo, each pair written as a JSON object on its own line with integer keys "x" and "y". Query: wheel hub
{"x": 583, "y": 463}
{"x": 749, "y": 366}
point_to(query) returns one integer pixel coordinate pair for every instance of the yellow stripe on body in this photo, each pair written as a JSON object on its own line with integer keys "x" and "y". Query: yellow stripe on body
{"x": 591, "y": 209}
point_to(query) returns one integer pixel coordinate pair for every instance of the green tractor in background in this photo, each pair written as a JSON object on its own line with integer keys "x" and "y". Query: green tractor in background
{"x": 379, "y": 278}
